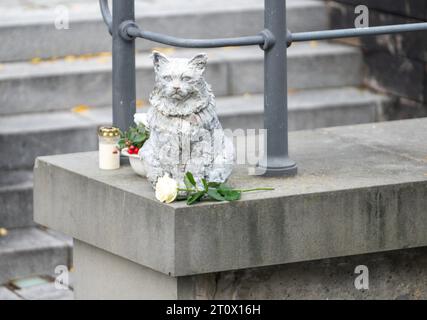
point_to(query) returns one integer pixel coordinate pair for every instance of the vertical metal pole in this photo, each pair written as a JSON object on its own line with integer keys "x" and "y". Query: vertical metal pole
{"x": 124, "y": 88}
{"x": 276, "y": 161}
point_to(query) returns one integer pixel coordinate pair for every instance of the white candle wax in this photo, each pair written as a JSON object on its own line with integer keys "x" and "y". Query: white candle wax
{"x": 109, "y": 156}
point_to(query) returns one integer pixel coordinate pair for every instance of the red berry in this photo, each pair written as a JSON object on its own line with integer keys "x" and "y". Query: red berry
{"x": 130, "y": 151}
{"x": 132, "y": 147}
{"x": 136, "y": 150}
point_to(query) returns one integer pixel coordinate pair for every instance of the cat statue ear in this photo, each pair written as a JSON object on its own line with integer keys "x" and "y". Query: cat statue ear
{"x": 199, "y": 62}
{"x": 159, "y": 60}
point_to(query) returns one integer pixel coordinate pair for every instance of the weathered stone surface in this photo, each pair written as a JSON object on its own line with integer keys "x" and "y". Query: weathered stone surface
{"x": 361, "y": 189}
{"x": 396, "y": 63}
{"x": 45, "y": 292}
{"x": 396, "y": 75}
{"x": 102, "y": 275}
{"x": 405, "y": 109}
{"x": 62, "y": 85}
{"x": 308, "y": 109}
{"x": 407, "y": 8}
{"x": 16, "y": 199}
{"x": 65, "y": 132}
{"x": 310, "y": 65}
{"x": 88, "y": 34}
{"x": 396, "y": 275}
{"x": 6, "y": 294}
{"x": 41, "y": 134}
{"x": 32, "y": 251}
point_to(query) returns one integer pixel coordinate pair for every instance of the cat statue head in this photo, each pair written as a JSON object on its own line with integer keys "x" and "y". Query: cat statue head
{"x": 180, "y": 88}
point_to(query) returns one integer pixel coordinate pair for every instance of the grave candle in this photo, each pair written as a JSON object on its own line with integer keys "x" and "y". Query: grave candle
{"x": 109, "y": 154}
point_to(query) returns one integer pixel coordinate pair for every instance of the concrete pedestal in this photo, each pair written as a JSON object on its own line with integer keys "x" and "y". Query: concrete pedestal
{"x": 361, "y": 192}
{"x": 102, "y": 275}
{"x": 398, "y": 274}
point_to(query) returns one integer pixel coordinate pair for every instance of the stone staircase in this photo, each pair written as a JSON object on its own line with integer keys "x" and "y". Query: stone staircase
{"x": 55, "y": 90}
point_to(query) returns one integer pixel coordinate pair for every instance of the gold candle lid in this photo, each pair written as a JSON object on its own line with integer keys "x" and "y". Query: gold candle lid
{"x": 109, "y": 132}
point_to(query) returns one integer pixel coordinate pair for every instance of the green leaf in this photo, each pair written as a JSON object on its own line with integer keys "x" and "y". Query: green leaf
{"x": 215, "y": 195}
{"x": 205, "y": 184}
{"x": 133, "y": 136}
{"x": 122, "y": 144}
{"x": 136, "y": 136}
{"x": 138, "y": 140}
{"x": 190, "y": 179}
{"x": 232, "y": 195}
{"x": 195, "y": 197}
{"x": 180, "y": 198}
{"x": 128, "y": 135}
{"x": 214, "y": 184}
{"x": 223, "y": 189}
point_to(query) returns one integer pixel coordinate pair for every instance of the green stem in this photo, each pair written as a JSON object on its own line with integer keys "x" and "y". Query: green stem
{"x": 239, "y": 190}
{"x": 255, "y": 189}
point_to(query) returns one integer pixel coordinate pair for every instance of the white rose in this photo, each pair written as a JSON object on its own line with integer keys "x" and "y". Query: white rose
{"x": 141, "y": 118}
{"x": 166, "y": 189}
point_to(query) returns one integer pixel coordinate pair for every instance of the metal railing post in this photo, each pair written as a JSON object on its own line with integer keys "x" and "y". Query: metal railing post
{"x": 276, "y": 160}
{"x": 124, "y": 87}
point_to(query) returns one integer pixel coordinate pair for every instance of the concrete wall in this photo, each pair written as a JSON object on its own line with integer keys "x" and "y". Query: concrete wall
{"x": 397, "y": 275}
{"x": 395, "y": 64}
{"x": 400, "y": 275}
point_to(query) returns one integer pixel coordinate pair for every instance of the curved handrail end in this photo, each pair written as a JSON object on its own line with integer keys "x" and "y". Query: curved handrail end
{"x": 106, "y": 15}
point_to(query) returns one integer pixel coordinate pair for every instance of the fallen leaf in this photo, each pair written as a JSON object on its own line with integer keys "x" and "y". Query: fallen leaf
{"x": 1, "y": 67}
{"x": 86, "y": 56}
{"x": 292, "y": 91}
{"x": 52, "y": 59}
{"x": 3, "y": 232}
{"x": 230, "y": 48}
{"x": 80, "y": 108}
{"x": 103, "y": 60}
{"x": 140, "y": 103}
{"x": 70, "y": 58}
{"x": 164, "y": 50}
{"x": 314, "y": 44}
{"x": 36, "y": 60}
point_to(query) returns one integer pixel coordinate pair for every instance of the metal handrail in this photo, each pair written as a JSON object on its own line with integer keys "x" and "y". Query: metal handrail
{"x": 274, "y": 40}
{"x": 132, "y": 30}
{"x": 106, "y": 15}
{"x": 357, "y": 32}
{"x": 135, "y": 31}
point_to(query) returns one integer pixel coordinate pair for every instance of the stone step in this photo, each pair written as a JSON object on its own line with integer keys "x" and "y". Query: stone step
{"x": 32, "y": 251}
{"x": 65, "y": 83}
{"x": 46, "y": 291}
{"x": 87, "y": 34}
{"x": 308, "y": 109}
{"x": 16, "y": 199}
{"x": 23, "y": 137}
{"x": 7, "y": 294}
{"x": 65, "y": 132}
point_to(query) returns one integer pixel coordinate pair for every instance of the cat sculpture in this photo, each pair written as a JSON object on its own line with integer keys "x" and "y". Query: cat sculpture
{"x": 185, "y": 133}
